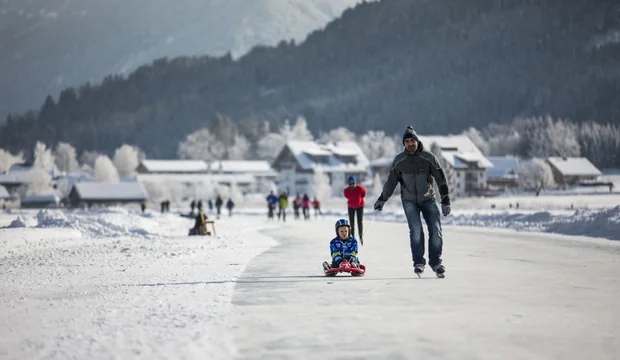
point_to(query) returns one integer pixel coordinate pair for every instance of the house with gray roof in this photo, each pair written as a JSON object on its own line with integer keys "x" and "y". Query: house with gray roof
{"x": 172, "y": 167}
{"x": 467, "y": 163}
{"x": 573, "y": 170}
{"x": 298, "y": 162}
{"x": 94, "y": 193}
{"x": 505, "y": 172}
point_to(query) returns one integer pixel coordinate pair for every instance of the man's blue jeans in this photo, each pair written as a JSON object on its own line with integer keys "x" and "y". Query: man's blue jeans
{"x": 430, "y": 211}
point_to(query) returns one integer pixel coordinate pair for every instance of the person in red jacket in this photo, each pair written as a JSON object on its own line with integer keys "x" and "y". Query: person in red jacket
{"x": 355, "y": 195}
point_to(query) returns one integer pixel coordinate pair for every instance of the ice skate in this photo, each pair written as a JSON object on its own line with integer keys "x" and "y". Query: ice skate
{"x": 418, "y": 269}
{"x": 440, "y": 271}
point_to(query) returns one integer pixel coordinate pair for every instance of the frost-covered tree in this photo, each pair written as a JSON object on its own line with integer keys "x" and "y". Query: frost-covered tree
{"x": 376, "y": 144}
{"x": 126, "y": 160}
{"x": 88, "y": 159}
{"x": 156, "y": 191}
{"x": 377, "y": 185}
{"x": 40, "y": 175}
{"x": 504, "y": 144}
{"x": 224, "y": 130}
{"x": 105, "y": 171}
{"x": 235, "y": 194}
{"x": 322, "y": 188}
{"x": 239, "y": 149}
{"x": 536, "y": 175}
{"x": 66, "y": 157}
{"x": 160, "y": 191}
{"x": 43, "y": 157}
{"x": 337, "y": 135}
{"x": 476, "y": 137}
{"x": 201, "y": 145}
{"x": 7, "y": 160}
{"x": 270, "y": 146}
{"x": 554, "y": 138}
{"x": 600, "y": 144}
{"x": 201, "y": 190}
{"x": 299, "y": 131}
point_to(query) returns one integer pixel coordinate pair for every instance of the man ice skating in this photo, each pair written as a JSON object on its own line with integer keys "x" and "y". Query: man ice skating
{"x": 415, "y": 168}
{"x": 355, "y": 195}
{"x": 343, "y": 246}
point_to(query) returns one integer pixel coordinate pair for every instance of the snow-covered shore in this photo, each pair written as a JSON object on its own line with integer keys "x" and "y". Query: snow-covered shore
{"x": 601, "y": 223}
{"x": 119, "y": 284}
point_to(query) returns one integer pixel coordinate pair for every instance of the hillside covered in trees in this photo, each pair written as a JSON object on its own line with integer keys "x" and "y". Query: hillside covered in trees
{"x": 441, "y": 66}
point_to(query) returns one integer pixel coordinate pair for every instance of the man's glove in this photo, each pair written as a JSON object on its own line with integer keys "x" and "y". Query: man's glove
{"x": 379, "y": 204}
{"x": 445, "y": 209}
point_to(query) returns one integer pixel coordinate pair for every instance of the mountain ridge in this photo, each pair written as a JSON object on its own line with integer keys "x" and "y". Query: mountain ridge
{"x": 441, "y": 67}
{"x": 48, "y": 45}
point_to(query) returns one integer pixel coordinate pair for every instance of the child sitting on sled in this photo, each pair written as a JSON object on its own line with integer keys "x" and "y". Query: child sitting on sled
{"x": 343, "y": 246}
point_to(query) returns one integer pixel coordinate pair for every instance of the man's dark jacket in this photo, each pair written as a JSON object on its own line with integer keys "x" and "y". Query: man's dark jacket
{"x": 415, "y": 173}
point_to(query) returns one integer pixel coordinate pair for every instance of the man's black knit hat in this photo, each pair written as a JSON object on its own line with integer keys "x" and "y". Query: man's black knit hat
{"x": 410, "y": 133}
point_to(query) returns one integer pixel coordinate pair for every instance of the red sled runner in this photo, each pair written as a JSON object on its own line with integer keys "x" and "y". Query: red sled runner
{"x": 345, "y": 266}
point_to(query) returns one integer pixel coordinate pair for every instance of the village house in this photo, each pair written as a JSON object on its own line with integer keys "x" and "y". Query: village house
{"x": 42, "y": 201}
{"x": 87, "y": 194}
{"x": 247, "y": 175}
{"x": 467, "y": 163}
{"x": 573, "y": 170}
{"x": 21, "y": 176}
{"x": 263, "y": 174}
{"x": 172, "y": 167}
{"x": 504, "y": 174}
{"x": 298, "y": 161}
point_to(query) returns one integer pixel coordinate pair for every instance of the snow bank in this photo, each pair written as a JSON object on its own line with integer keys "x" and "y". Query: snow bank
{"x": 168, "y": 297}
{"x": 20, "y": 222}
{"x": 113, "y": 222}
{"x": 604, "y": 224}
{"x": 594, "y": 223}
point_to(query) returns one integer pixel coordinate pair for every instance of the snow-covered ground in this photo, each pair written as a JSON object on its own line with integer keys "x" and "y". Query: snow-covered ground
{"x": 116, "y": 283}
{"x": 119, "y": 284}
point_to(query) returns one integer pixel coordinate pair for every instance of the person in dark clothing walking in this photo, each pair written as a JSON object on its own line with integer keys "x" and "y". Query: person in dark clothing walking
{"x": 297, "y": 206}
{"x": 355, "y": 195}
{"x": 218, "y": 205}
{"x": 272, "y": 202}
{"x": 415, "y": 168}
{"x": 230, "y": 205}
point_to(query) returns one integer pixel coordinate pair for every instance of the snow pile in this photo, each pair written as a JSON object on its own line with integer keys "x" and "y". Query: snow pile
{"x": 169, "y": 297}
{"x": 112, "y": 222}
{"x": 605, "y": 224}
{"x": 594, "y": 223}
{"x": 20, "y": 222}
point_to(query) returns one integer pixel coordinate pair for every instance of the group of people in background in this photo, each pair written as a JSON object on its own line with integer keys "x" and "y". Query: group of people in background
{"x": 354, "y": 193}
{"x": 219, "y": 202}
{"x": 300, "y": 203}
